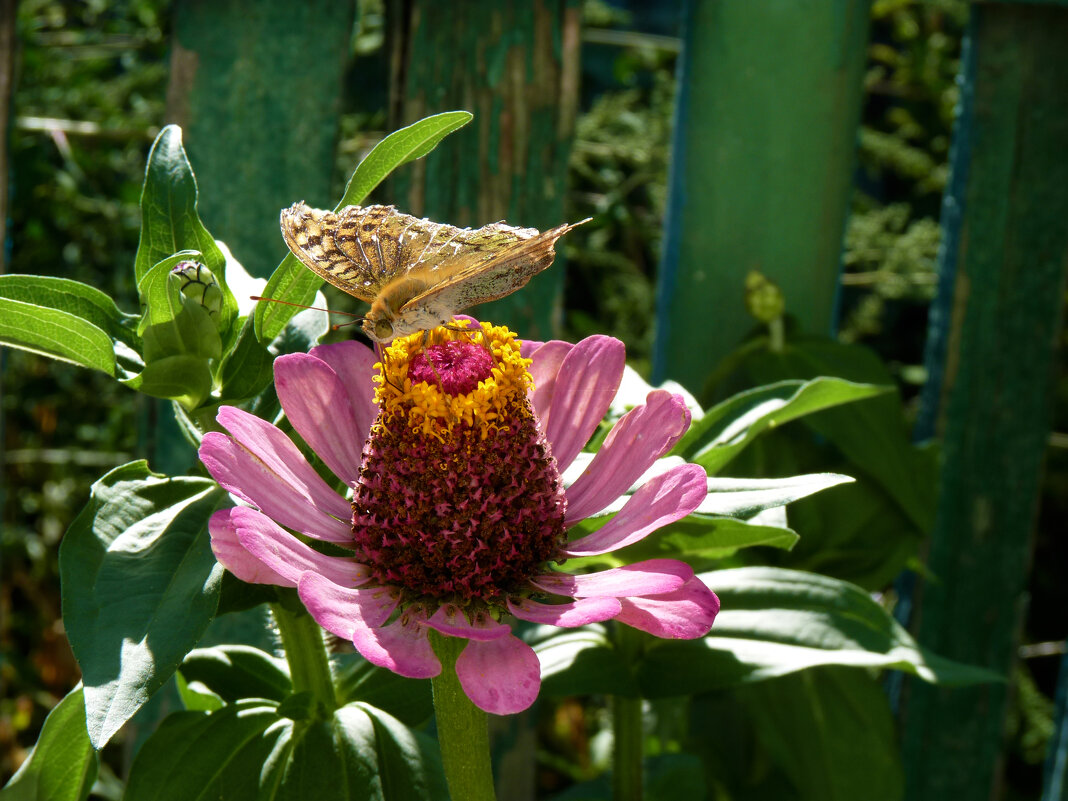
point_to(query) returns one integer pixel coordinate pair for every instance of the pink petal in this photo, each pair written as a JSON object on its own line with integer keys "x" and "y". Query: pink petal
{"x": 547, "y": 359}
{"x": 247, "y": 477}
{"x": 661, "y": 500}
{"x": 576, "y": 613}
{"x": 402, "y": 646}
{"x": 318, "y": 406}
{"x": 651, "y": 577}
{"x": 287, "y": 556}
{"x": 640, "y": 437}
{"x": 528, "y": 346}
{"x": 451, "y": 621}
{"x": 501, "y": 676}
{"x": 341, "y": 610}
{"x": 232, "y": 554}
{"x": 355, "y": 365}
{"x": 585, "y": 385}
{"x": 272, "y": 447}
{"x": 685, "y": 614}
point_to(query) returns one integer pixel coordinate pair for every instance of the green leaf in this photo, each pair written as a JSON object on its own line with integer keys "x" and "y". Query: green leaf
{"x": 856, "y": 533}
{"x": 581, "y": 661}
{"x": 408, "y": 700}
{"x": 400, "y": 147}
{"x": 831, "y": 732}
{"x": 63, "y": 764}
{"x": 730, "y": 426}
{"x": 196, "y": 756}
{"x": 775, "y": 622}
{"x": 140, "y": 585}
{"x": 56, "y": 334}
{"x": 186, "y": 379}
{"x": 871, "y": 434}
{"x": 295, "y": 283}
{"x": 247, "y": 369}
{"x": 246, "y": 750}
{"x": 74, "y": 297}
{"x": 196, "y": 696}
{"x": 698, "y": 540}
{"x": 234, "y": 672}
{"x": 169, "y": 219}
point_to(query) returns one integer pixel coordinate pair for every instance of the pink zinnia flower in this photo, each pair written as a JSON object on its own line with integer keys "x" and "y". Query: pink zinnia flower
{"x": 458, "y": 518}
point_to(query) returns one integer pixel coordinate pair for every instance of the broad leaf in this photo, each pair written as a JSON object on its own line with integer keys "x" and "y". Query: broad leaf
{"x": 871, "y": 434}
{"x": 775, "y": 622}
{"x": 56, "y": 334}
{"x": 408, "y": 700}
{"x": 247, "y": 750}
{"x": 729, "y": 427}
{"x": 234, "y": 672}
{"x": 831, "y": 732}
{"x": 63, "y": 764}
{"x": 292, "y": 281}
{"x": 140, "y": 585}
{"x": 169, "y": 219}
{"x": 580, "y": 662}
{"x": 186, "y": 379}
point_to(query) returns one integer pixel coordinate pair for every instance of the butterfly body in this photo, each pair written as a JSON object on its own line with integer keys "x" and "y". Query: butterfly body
{"x": 416, "y": 274}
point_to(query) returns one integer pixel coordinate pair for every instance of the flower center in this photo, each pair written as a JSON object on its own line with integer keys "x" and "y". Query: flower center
{"x": 456, "y": 367}
{"x": 459, "y": 499}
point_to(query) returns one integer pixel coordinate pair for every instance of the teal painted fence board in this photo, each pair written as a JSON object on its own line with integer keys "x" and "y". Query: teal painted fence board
{"x": 256, "y": 87}
{"x": 1001, "y": 310}
{"x": 769, "y": 104}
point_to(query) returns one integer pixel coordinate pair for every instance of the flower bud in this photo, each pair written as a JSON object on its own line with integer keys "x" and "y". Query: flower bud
{"x": 199, "y": 285}
{"x": 763, "y": 298}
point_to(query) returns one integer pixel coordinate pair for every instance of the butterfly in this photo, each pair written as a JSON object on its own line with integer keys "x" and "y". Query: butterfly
{"x": 416, "y": 274}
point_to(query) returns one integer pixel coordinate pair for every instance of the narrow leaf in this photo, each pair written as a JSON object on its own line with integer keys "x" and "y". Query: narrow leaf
{"x": 169, "y": 219}
{"x": 400, "y": 147}
{"x": 295, "y": 283}
{"x": 74, "y": 297}
{"x": 63, "y": 764}
{"x": 729, "y": 427}
{"x": 140, "y": 585}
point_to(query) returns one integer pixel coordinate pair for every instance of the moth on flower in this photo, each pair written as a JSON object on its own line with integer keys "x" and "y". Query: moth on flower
{"x": 415, "y": 273}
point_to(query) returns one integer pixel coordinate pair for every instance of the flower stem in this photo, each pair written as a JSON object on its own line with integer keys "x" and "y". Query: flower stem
{"x": 309, "y": 664}
{"x": 627, "y": 732}
{"x": 627, "y": 748}
{"x": 463, "y": 728}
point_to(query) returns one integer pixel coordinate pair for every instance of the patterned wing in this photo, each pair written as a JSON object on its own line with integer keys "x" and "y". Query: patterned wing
{"x": 491, "y": 262}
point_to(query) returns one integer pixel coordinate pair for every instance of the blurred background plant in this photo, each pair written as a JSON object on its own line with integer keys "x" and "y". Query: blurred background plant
{"x": 91, "y": 90}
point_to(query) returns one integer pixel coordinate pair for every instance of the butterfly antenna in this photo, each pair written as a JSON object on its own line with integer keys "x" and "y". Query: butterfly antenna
{"x": 302, "y": 306}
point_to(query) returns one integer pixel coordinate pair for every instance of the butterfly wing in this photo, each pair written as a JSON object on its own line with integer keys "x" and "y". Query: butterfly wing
{"x": 360, "y": 249}
{"x": 489, "y": 263}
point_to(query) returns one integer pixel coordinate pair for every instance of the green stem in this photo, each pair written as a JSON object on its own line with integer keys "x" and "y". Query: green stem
{"x": 628, "y": 738}
{"x": 776, "y": 335}
{"x": 309, "y": 663}
{"x": 627, "y": 748}
{"x": 463, "y": 728}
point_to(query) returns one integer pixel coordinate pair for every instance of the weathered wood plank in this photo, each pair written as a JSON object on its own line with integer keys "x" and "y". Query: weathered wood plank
{"x": 515, "y": 66}
{"x": 1000, "y": 303}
